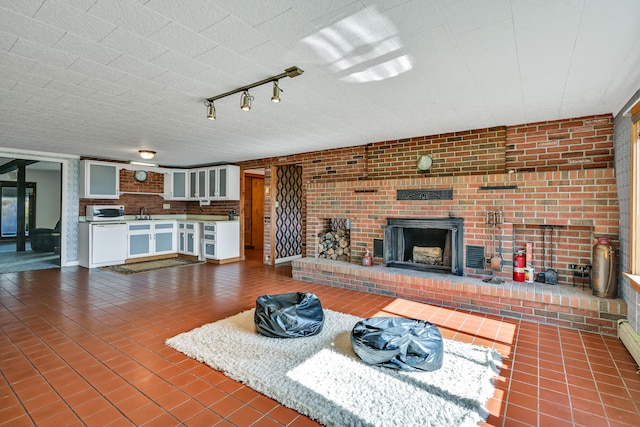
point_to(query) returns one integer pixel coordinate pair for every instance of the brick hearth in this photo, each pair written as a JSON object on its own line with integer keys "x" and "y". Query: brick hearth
{"x": 562, "y": 305}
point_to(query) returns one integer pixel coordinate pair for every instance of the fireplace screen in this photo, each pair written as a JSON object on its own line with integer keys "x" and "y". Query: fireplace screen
{"x": 424, "y": 244}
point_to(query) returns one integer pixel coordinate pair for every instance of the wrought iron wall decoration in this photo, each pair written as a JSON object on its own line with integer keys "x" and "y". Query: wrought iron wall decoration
{"x": 438, "y": 194}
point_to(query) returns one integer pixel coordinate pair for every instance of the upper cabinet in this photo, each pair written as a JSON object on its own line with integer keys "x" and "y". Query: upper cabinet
{"x": 198, "y": 184}
{"x": 99, "y": 180}
{"x": 176, "y": 184}
{"x": 224, "y": 183}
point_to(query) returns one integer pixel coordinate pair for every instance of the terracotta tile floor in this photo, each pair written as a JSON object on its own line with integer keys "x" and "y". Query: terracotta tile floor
{"x": 80, "y": 347}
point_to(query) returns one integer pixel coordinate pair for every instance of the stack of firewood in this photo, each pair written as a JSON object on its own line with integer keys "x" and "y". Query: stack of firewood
{"x": 335, "y": 245}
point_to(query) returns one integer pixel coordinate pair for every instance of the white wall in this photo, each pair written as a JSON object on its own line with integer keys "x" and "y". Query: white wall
{"x": 48, "y": 197}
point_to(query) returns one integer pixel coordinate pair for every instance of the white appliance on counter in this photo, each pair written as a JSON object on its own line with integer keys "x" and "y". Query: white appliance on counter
{"x": 104, "y": 212}
{"x": 102, "y": 244}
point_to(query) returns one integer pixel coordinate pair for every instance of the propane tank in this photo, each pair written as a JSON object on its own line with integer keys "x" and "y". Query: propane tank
{"x": 518, "y": 266}
{"x": 604, "y": 279}
{"x": 366, "y": 259}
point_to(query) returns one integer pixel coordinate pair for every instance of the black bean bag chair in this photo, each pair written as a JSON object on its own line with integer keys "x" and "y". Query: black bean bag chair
{"x": 292, "y": 315}
{"x": 398, "y": 343}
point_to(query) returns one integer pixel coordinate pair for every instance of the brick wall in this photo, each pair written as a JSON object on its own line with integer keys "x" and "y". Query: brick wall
{"x": 583, "y": 202}
{"x": 471, "y": 152}
{"x": 581, "y": 143}
{"x": 563, "y": 145}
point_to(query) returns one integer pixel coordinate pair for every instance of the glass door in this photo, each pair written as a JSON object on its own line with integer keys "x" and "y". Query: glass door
{"x": 9, "y": 200}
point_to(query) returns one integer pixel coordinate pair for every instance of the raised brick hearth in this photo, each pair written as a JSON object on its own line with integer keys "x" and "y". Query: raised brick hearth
{"x": 561, "y": 305}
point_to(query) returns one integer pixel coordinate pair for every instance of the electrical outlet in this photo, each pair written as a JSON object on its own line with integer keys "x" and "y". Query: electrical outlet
{"x": 166, "y": 206}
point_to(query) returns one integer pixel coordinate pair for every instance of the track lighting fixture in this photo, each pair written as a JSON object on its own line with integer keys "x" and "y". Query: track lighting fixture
{"x": 147, "y": 154}
{"x": 246, "y": 98}
{"x": 246, "y": 101}
{"x": 211, "y": 110}
{"x": 276, "y": 92}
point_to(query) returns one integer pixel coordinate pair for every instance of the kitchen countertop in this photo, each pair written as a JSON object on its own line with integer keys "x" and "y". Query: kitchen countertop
{"x": 197, "y": 218}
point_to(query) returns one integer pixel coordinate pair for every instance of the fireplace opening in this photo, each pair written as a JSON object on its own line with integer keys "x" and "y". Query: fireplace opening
{"x": 424, "y": 244}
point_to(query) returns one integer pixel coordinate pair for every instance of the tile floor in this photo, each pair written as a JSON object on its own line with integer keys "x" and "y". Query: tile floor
{"x": 81, "y": 347}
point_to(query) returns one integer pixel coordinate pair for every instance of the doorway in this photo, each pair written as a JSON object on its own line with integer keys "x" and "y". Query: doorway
{"x": 254, "y": 209}
{"x": 42, "y": 213}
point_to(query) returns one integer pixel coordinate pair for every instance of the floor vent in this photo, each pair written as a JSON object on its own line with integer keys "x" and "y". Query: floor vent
{"x": 630, "y": 339}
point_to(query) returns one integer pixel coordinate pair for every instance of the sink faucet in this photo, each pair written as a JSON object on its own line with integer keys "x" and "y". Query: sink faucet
{"x": 144, "y": 214}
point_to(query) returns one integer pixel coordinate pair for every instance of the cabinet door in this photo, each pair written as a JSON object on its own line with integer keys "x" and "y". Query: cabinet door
{"x": 99, "y": 180}
{"x": 191, "y": 243}
{"x": 179, "y": 185}
{"x": 202, "y": 184}
{"x": 213, "y": 183}
{"x": 223, "y": 185}
{"x": 139, "y": 240}
{"x": 193, "y": 184}
{"x": 164, "y": 238}
{"x": 182, "y": 238}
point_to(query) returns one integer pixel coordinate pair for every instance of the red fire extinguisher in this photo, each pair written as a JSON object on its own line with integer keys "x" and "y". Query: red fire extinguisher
{"x": 518, "y": 266}
{"x": 366, "y": 259}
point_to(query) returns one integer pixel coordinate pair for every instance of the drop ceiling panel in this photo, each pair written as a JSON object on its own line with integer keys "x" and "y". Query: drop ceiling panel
{"x": 120, "y": 75}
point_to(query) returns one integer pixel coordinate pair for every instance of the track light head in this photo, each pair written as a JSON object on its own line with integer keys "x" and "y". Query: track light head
{"x": 211, "y": 110}
{"x": 276, "y": 92}
{"x": 246, "y": 101}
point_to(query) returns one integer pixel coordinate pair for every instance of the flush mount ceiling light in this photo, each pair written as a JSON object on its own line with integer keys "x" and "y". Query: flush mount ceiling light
{"x": 211, "y": 110}
{"x": 246, "y": 98}
{"x": 246, "y": 101}
{"x": 147, "y": 154}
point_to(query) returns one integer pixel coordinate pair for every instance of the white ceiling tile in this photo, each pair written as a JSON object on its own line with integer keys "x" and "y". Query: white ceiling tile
{"x": 224, "y": 59}
{"x": 179, "y": 63}
{"x": 182, "y": 40}
{"x": 23, "y": 7}
{"x": 140, "y": 84}
{"x": 76, "y": 90}
{"x": 131, "y": 64}
{"x": 466, "y": 15}
{"x": 197, "y": 15}
{"x": 59, "y": 14}
{"x": 104, "y": 86}
{"x": 30, "y": 29}
{"x": 86, "y": 49}
{"x": 93, "y": 69}
{"x": 16, "y": 62}
{"x": 314, "y": 10}
{"x": 252, "y": 12}
{"x": 183, "y": 83}
{"x": 55, "y": 73}
{"x": 125, "y": 41}
{"x": 130, "y": 15}
{"x": 234, "y": 34}
{"x": 287, "y": 28}
{"x": 42, "y": 53}
{"x": 6, "y": 41}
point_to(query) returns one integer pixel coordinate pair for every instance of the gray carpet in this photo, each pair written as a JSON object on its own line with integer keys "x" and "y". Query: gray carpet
{"x": 14, "y": 262}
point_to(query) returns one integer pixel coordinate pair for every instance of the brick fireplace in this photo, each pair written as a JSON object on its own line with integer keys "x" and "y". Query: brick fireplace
{"x": 426, "y": 244}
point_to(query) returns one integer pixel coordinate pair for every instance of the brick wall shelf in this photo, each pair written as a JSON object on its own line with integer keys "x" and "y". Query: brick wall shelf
{"x": 561, "y": 305}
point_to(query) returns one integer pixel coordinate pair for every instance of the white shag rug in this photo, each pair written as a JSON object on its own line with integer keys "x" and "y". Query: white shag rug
{"x": 323, "y": 378}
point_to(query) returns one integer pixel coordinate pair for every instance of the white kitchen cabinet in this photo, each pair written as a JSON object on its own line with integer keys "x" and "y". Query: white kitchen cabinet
{"x": 147, "y": 238}
{"x": 221, "y": 240}
{"x": 189, "y": 238}
{"x": 176, "y": 184}
{"x": 99, "y": 180}
{"x": 100, "y": 245}
{"x": 198, "y": 184}
{"x": 139, "y": 244}
{"x": 223, "y": 182}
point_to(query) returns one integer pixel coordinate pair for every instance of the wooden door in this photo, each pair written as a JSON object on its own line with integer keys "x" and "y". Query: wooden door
{"x": 254, "y": 211}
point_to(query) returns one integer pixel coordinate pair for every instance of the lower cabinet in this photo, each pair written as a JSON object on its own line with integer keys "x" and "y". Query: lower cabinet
{"x": 189, "y": 238}
{"x": 221, "y": 240}
{"x": 147, "y": 238}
